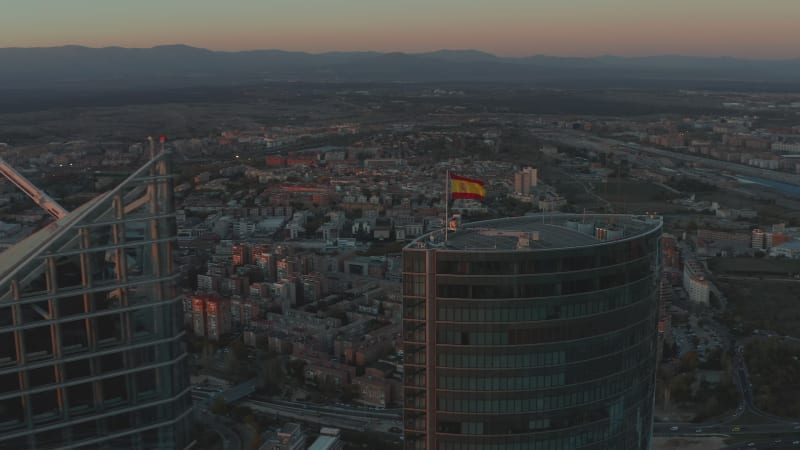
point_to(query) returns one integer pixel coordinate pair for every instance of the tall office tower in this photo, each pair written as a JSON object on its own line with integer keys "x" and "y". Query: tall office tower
{"x": 90, "y": 326}
{"x": 532, "y": 333}
{"x": 525, "y": 179}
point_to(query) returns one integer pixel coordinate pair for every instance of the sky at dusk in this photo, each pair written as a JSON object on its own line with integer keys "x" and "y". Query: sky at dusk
{"x": 761, "y": 29}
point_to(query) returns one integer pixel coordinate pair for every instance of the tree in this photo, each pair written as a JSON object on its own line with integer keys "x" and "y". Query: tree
{"x": 349, "y": 393}
{"x": 680, "y": 387}
{"x": 713, "y": 360}
{"x": 233, "y": 366}
{"x": 361, "y": 234}
{"x": 272, "y": 376}
{"x": 238, "y": 349}
{"x": 689, "y": 362}
{"x": 238, "y": 413}
{"x": 313, "y": 224}
{"x": 254, "y": 444}
{"x": 252, "y": 421}
{"x": 337, "y": 313}
{"x": 354, "y": 213}
{"x": 296, "y": 369}
{"x": 219, "y": 407}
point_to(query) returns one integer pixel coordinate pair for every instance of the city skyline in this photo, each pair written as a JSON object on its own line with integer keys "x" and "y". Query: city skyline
{"x": 293, "y": 264}
{"x": 508, "y": 28}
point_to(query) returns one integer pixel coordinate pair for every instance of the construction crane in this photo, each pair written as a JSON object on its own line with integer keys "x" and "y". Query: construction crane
{"x": 36, "y": 194}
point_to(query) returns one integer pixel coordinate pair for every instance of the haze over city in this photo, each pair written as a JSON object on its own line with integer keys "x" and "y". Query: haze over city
{"x": 740, "y": 28}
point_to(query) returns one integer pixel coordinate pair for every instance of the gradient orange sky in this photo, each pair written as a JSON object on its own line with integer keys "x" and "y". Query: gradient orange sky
{"x": 744, "y": 28}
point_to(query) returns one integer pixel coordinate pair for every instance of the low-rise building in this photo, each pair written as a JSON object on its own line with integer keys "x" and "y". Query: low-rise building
{"x": 789, "y": 249}
{"x": 329, "y": 439}
{"x": 289, "y": 437}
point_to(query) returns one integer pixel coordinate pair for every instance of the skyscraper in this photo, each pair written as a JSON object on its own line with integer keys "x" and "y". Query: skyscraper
{"x": 90, "y": 326}
{"x": 529, "y": 333}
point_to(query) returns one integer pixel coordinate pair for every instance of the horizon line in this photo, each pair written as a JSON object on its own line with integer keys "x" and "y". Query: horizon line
{"x": 383, "y": 52}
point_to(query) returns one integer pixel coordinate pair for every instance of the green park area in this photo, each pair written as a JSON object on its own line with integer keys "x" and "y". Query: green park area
{"x": 704, "y": 389}
{"x": 755, "y": 304}
{"x": 744, "y": 266}
{"x": 774, "y": 368}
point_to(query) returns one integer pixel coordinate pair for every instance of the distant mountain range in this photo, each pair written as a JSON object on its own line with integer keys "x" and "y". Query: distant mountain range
{"x": 76, "y": 67}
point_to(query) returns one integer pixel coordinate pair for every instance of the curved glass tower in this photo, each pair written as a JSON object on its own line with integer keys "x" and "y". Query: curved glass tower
{"x": 532, "y": 333}
{"x": 91, "y": 355}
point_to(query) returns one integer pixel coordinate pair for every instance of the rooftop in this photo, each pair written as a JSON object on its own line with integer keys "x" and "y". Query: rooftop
{"x": 540, "y": 232}
{"x": 324, "y": 443}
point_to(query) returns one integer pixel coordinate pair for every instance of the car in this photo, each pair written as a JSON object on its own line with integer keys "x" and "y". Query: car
{"x": 673, "y": 428}
{"x": 735, "y": 429}
{"x": 751, "y": 444}
{"x": 795, "y": 442}
{"x": 394, "y": 430}
{"x": 699, "y": 430}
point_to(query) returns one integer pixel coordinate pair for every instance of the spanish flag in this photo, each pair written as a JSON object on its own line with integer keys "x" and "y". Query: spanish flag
{"x": 461, "y": 187}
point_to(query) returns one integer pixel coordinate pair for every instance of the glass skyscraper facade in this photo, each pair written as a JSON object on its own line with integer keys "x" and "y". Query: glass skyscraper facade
{"x": 532, "y": 333}
{"x": 91, "y": 351}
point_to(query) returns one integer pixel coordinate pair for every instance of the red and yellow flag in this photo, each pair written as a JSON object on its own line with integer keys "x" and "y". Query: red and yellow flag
{"x": 461, "y": 187}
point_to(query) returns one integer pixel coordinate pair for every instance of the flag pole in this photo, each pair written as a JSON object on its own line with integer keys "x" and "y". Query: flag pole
{"x": 446, "y": 204}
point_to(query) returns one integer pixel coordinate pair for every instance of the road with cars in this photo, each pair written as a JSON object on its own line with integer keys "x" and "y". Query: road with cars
{"x": 731, "y": 425}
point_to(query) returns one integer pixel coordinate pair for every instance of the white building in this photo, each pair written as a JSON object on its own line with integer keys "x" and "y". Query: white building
{"x": 244, "y": 227}
{"x": 786, "y": 147}
{"x": 695, "y": 282}
{"x": 328, "y": 440}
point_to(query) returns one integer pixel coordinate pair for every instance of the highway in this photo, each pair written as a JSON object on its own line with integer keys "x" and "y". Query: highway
{"x": 352, "y": 411}
{"x": 369, "y": 419}
{"x": 760, "y": 278}
{"x": 694, "y": 429}
{"x": 340, "y": 416}
{"x": 363, "y": 418}
{"x": 584, "y": 140}
{"x": 764, "y": 443}
{"x": 346, "y": 418}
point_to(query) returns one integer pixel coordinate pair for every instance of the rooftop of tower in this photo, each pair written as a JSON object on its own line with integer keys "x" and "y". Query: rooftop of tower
{"x": 15, "y": 259}
{"x": 540, "y": 232}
